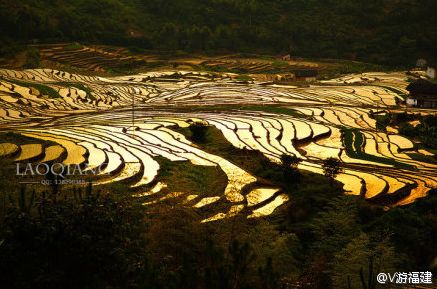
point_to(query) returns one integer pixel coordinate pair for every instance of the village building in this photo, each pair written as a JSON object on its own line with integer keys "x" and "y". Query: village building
{"x": 308, "y": 75}
{"x": 286, "y": 57}
{"x": 421, "y": 63}
{"x": 423, "y": 94}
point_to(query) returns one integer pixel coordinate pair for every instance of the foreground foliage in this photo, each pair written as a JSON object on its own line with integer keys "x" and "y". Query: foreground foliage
{"x": 95, "y": 240}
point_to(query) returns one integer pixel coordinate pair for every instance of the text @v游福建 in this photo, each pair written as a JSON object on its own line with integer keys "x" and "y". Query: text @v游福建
{"x": 405, "y": 278}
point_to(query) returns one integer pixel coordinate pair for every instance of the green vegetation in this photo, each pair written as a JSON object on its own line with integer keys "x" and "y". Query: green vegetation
{"x": 386, "y": 32}
{"x": 74, "y": 46}
{"x": 283, "y": 175}
{"x": 337, "y": 67}
{"x": 220, "y": 68}
{"x": 243, "y": 77}
{"x": 262, "y": 108}
{"x": 32, "y": 58}
{"x": 422, "y": 158}
{"x": 80, "y": 86}
{"x": 40, "y": 238}
{"x": 278, "y": 64}
{"x": 84, "y": 88}
{"x": 354, "y": 142}
{"x": 43, "y": 89}
{"x": 81, "y": 238}
{"x": 332, "y": 168}
{"x": 382, "y": 121}
{"x": 186, "y": 177}
{"x": 130, "y": 66}
{"x": 274, "y": 109}
{"x": 86, "y": 239}
{"x": 290, "y": 165}
{"x": 198, "y": 131}
{"x": 12, "y": 137}
{"x": 425, "y": 131}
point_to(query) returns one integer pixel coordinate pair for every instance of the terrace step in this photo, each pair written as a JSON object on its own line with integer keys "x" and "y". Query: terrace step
{"x": 54, "y": 153}
{"x": 76, "y": 154}
{"x": 30, "y": 153}
{"x": 9, "y": 150}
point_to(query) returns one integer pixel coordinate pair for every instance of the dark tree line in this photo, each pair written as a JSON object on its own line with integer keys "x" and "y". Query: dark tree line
{"x": 381, "y": 31}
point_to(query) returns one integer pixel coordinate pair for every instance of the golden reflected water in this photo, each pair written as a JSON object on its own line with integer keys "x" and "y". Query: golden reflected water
{"x": 102, "y": 138}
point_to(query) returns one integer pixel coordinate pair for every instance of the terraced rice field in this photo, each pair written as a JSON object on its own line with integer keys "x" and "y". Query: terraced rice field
{"x": 94, "y": 126}
{"x": 91, "y": 58}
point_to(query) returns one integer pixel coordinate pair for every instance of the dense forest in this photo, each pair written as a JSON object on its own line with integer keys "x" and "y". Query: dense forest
{"x": 379, "y": 31}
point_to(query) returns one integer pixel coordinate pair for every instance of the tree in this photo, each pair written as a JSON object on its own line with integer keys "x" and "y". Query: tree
{"x": 359, "y": 261}
{"x": 91, "y": 241}
{"x": 290, "y": 170}
{"x": 331, "y": 168}
{"x": 335, "y": 226}
{"x": 290, "y": 161}
{"x": 267, "y": 275}
{"x": 198, "y": 131}
{"x": 241, "y": 257}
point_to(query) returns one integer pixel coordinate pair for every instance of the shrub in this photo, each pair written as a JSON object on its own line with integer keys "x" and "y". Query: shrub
{"x": 74, "y": 46}
{"x": 32, "y": 58}
{"x": 407, "y": 130}
{"x": 244, "y": 77}
{"x": 382, "y": 121}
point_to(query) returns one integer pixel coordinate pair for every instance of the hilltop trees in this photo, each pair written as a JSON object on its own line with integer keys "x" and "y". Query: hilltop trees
{"x": 375, "y": 31}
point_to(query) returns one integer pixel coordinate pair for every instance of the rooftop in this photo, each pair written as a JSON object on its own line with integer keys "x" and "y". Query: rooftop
{"x": 305, "y": 72}
{"x": 422, "y": 86}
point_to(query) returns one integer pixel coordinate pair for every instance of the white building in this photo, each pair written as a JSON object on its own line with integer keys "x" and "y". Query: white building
{"x": 411, "y": 101}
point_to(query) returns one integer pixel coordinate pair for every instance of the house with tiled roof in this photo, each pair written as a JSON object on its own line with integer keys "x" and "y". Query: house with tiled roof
{"x": 423, "y": 94}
